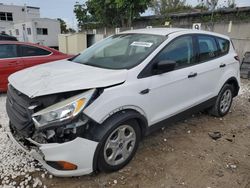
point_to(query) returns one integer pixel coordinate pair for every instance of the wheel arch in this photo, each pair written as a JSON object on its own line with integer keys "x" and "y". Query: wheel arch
{"x": 117, "y": 118}
{"x": 233, "y": 81}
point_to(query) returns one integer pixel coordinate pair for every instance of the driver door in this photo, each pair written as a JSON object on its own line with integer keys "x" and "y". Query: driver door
{"x": 173, "y": 92}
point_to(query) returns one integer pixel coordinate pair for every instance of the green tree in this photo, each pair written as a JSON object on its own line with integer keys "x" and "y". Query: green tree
{"x": 131, "y": 9}
{"x": 82, "y": 15}
{"x": 231, "y": 4}
{"x": 164, "y": 7}
{"x": 64, "y": 28}
{"x": 63, "y": 25}
{"x": 114, "y": 13}
{"x": 210, "y": 4}
{"x": 71, "y": 30}
{"x": 214, "y": 4}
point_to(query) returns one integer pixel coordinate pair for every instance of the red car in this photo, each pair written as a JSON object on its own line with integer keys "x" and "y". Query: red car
{"x": 15, "y": 56}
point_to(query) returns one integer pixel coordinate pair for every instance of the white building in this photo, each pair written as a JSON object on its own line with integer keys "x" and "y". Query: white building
{"x": 24, "y": 22}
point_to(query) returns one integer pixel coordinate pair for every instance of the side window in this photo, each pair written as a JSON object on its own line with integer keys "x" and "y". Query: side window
{"x": 8, "y": 51}
{"x": 207, "y": 48}
{"x": 180, "y": 50}
{"x": 32, "y": 51}
{"x": 223, "y": 45}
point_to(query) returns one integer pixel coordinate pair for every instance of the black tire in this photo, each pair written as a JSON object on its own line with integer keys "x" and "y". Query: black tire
{"x": 217, "y": 109}
{"x": 103, "y": 165}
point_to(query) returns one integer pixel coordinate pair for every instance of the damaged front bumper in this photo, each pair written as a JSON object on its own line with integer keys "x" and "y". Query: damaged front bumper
{"x": 79, "y": 151}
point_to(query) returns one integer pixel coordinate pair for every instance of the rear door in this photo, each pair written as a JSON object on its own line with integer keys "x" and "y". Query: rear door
{"x": 32, "y": 55}
{"x": 10, "y": 62}
{"x": 212, "y": 63}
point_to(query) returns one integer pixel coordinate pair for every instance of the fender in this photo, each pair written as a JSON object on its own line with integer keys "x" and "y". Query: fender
{"x": 126, "y": 107}
{"x": 228, "y": 76}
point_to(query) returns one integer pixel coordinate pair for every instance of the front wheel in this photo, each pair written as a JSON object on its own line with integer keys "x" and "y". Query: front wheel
{"x": 223, "y": 101}
{"x": 119, "y": 146}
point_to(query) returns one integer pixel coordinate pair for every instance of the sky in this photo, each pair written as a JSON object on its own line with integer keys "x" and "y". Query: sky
{"x": 64, "y": 8}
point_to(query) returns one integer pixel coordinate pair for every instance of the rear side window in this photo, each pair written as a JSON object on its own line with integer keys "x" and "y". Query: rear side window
{"x": 8, "y": 51}
{"x": 27, "y": 51}
{"x": 223, "y": 45}
{"x": 207, "y": 48}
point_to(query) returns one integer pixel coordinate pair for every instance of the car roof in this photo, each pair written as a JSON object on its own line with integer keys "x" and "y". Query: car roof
{"x": 29, "y": 44}
{"x": 155, "y": 31}
{"x": 167, "y": 31}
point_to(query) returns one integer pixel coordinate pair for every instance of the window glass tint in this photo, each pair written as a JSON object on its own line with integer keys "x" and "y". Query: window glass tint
{"x": 223, "y": 45}
{"x": 6, "y": 16}
{"x": 9, "y": 16}
{"x": 180, "y": 51}
{"x": 29, "y": 31}
{"x": 17, "y": 32}
{"x": 208, "y": 48}
{"x": 8, "y": 51}
{"x": 33, "y": 51}
{"x": 42, "y": 31}
{"x": 2, "y": 16}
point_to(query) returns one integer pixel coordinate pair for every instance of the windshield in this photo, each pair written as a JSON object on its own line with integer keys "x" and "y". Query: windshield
{"x": 120, "y": 51}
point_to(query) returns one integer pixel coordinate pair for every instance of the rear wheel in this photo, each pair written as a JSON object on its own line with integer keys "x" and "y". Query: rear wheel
{"x": 223, "y": 101}
{"x": 119, "y": 146}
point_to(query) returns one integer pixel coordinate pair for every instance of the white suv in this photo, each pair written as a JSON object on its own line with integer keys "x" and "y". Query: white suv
{"x": 89, "y": 113}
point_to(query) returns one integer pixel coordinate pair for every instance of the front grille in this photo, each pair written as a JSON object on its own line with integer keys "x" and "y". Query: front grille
{"x": 17, "y": 108}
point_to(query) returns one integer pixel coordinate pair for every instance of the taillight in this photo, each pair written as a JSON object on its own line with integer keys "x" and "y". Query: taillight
{"x": 237, "y": 58}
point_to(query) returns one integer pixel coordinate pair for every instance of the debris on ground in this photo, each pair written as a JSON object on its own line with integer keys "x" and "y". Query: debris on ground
{"x": 215, "y": 135}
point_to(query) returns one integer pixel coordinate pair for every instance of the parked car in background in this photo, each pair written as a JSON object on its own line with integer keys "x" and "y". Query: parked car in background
{"x": 245, "y": 66}
{"x": 15, "y": 56}
{"x": 90, "y": 112}
{"x": 7, "y": 37}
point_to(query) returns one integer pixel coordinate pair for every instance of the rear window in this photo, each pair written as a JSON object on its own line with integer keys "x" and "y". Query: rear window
{"x": 33, "y": 51}
{"x": 223, "y": 46}
{"x": 8, "y": 51}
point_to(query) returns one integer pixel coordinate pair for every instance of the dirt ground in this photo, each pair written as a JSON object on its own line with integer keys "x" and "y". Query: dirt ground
{"x": 184, "y": 155}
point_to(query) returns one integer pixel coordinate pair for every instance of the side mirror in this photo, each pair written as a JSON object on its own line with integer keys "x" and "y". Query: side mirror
{"x": 164, "y": 66}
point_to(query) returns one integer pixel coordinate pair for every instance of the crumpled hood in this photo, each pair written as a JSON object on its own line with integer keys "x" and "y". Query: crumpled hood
{"x": 62, "y": 76}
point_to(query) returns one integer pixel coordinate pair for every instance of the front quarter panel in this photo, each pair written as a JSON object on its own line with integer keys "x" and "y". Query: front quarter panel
{"x": 117, "y": 98}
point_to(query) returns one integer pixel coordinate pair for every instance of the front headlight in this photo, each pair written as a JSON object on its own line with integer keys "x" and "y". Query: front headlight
{"x": 63, "y": 110}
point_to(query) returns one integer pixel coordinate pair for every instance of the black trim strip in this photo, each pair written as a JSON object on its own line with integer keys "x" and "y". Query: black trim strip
{"x": 181, "y": 116}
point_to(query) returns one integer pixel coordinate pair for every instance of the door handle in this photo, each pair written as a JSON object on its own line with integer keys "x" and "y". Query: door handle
{"x": 191, "y": 75}
{"x": 145, "y": 91}
{"x": 222, "y": 65}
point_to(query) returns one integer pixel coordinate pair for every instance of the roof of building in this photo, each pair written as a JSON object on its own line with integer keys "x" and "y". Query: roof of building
{"x": 30, "y": 7}
{"x": 198, "y": 13}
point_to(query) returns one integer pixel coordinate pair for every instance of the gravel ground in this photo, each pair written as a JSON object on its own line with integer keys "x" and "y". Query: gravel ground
{"x": 181, "y": 155}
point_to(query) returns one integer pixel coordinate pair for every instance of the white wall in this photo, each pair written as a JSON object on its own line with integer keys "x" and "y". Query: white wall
{"x": 72, "y": 43}
{"x": 22, "y": 28}
{"x": 19, "y": 14}
{"x": 4, "y": 25}
{"x": 51, "y": 39}
{"x": 53, "y": 31}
